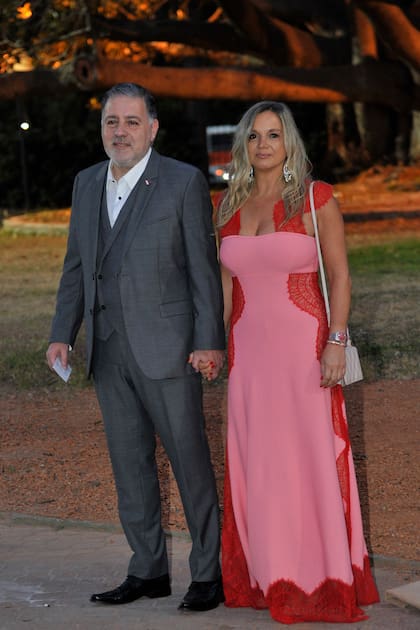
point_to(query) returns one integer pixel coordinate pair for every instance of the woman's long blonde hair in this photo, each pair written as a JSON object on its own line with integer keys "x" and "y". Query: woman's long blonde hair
{"x": 240, "y": 180}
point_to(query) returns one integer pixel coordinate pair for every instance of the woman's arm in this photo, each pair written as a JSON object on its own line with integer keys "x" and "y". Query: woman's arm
{"x": 333, "y": 245}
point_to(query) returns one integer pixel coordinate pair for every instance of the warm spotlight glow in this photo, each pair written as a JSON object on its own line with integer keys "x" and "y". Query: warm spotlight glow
{"x": 94, "y": 103}
{"x": 23, "y": 64}
{"x": 24, "y": 12}
{"x": 24, "y": 125}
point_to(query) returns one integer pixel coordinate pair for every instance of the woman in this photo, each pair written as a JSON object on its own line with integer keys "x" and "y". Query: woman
{"x": 292, "y": 535}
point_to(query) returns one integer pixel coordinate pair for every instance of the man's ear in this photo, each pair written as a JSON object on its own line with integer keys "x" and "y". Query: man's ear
{"x": 155, "y": 128}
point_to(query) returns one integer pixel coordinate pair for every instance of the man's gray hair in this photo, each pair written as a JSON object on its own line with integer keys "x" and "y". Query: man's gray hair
{"x": 134, "y": 91}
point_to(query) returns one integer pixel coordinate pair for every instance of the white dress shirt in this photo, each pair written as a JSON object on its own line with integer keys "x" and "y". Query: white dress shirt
{"x": 117, "y": 191}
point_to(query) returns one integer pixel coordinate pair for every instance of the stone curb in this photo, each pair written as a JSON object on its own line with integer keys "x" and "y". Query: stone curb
{"x": 16, "y": 518}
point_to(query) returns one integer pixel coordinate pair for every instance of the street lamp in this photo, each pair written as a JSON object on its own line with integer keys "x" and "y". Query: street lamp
{"x": 24, "y": 126}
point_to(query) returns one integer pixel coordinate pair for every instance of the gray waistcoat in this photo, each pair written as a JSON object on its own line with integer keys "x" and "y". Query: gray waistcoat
{"x": 108, "y": 311}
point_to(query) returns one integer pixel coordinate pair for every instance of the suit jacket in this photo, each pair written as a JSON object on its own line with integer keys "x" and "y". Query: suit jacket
{"x": 169, "y": 280}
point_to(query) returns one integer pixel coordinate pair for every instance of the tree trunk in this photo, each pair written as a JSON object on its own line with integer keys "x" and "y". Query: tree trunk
{"x": 415, "y": 138}
{"x": 345, "y": 152}
{"x": 376, "y": 131}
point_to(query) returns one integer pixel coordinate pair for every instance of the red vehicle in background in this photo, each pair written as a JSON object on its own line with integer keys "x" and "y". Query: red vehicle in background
{"x": 219, "y": 144}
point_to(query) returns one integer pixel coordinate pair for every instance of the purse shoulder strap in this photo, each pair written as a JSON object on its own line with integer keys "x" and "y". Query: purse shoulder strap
{"x": 321, "y": 262}
{"x": 318, "y": 249}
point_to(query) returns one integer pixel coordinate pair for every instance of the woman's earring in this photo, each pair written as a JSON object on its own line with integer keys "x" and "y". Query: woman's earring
{"x": 251, "y": 174}
{"x": 287, "y": 173}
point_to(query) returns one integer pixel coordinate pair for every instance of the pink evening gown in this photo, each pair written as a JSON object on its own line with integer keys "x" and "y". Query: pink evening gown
{"x": 292, "y": 538}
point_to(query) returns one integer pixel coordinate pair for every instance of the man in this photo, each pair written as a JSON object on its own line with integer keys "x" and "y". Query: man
{"x": 141, "y": 271}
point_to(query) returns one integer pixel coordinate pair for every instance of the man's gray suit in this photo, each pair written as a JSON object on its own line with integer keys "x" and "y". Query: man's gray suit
{"x": 149, "y": 293}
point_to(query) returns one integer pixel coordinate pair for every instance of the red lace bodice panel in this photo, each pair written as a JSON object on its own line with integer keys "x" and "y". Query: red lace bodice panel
{"x": 322, "y": 193}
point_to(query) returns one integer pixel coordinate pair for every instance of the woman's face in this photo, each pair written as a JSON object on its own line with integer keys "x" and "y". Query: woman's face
{"x": 266, "y": 150}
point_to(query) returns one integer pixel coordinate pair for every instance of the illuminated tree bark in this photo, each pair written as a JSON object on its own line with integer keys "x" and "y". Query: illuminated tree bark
{"x": 248, "y": 50}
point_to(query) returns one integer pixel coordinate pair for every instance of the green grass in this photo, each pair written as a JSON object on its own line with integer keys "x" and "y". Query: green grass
{"x": 30, "y": 267}
{"x": 384, "y": 321}
{"x": 398, "y": 257}
{"x": 385, "y": 314}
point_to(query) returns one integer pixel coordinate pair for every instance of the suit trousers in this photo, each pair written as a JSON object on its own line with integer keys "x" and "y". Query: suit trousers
{"x": 135, "y": 409}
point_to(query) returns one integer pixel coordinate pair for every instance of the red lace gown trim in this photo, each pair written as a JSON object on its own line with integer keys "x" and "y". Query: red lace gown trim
{"x": 332, "y": 601}
{"x": 322, "y": 193}
{"x": 238, "y": 303}
{"x": 233, "y": 226}
{"x": 305, "y": 293}
{"x": 236, "y": 582}
{"x": 295, "y": 224}
{"x": 341, "y": 430}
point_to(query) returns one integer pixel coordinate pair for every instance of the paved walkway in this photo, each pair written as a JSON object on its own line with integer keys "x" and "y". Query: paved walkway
{"x": 49, "y": 568}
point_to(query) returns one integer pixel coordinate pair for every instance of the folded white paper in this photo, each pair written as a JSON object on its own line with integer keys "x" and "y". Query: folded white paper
{"x": 62, "y": 373}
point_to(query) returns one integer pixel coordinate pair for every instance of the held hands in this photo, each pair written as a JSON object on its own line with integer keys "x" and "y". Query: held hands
{"x": 208, "y": 362}
{"x": 333, "y": 365}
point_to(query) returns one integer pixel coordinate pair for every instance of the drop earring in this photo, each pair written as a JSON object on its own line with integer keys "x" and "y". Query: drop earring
{"x": 287, "y": 173}
{"x": 251, "y": 174}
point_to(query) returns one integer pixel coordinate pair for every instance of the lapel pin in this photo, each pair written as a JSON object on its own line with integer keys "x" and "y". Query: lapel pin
{"x": 147, "y": 182}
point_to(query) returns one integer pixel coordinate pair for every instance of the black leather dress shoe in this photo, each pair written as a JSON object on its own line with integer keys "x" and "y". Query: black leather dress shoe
{"x": 203, "y": 596}
{"x": 134, "y": 588}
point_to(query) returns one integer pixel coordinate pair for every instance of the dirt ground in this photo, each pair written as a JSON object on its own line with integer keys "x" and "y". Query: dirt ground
{"x": 54, "y": 461}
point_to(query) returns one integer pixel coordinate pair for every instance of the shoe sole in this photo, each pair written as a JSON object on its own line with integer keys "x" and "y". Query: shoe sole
{"x": 202, "y": 608}
{"x": 152, "y": 595}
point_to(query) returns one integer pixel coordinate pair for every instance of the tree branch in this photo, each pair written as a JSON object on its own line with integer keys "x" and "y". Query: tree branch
{"x": 284, "y": 44}
{"x": 38, "y": 81}
{"x": 217, "y": 36}
{"x": 385, "y": 83}
{"x": 395, "y": 29}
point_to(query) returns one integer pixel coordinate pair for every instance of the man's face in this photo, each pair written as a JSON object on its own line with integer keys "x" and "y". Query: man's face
{"x": 127, "y": 132}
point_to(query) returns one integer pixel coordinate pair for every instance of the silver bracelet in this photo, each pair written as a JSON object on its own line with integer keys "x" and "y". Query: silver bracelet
{"x": 339, "y": 336}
